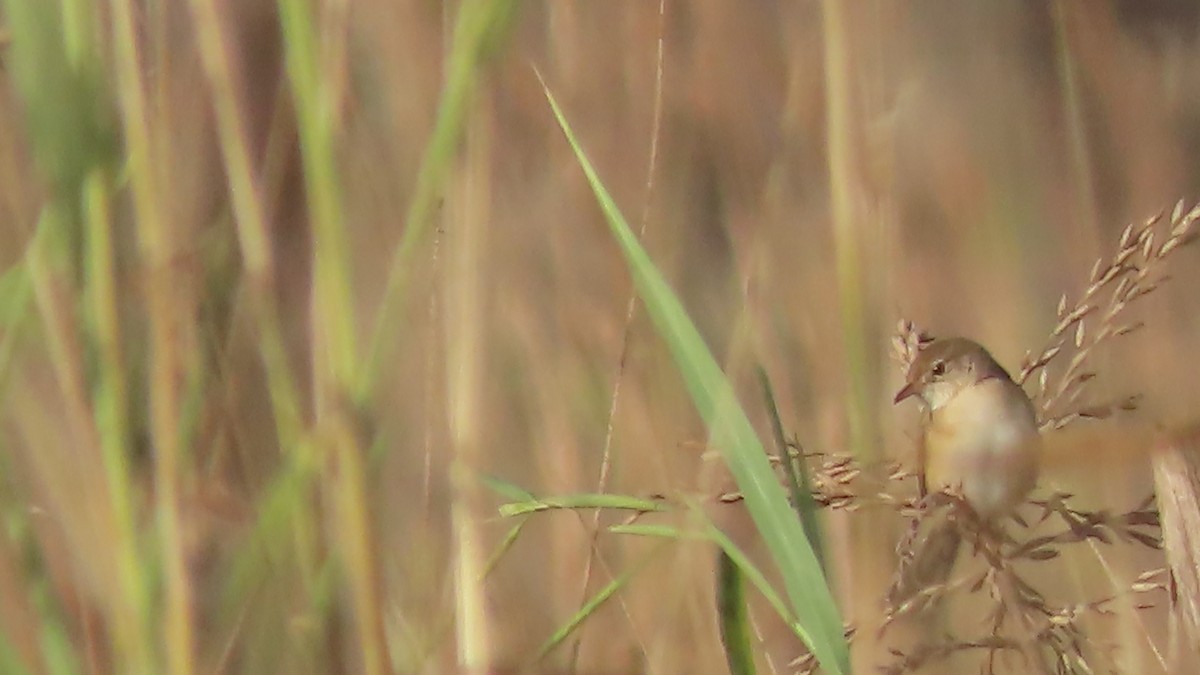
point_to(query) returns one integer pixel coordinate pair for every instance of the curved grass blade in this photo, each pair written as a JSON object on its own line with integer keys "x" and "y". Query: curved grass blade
{"x": 747, "y": 569}
{"x": 731, "y": 433}
{"x": 610, "y": 589}
{"x": 506, "y": 489}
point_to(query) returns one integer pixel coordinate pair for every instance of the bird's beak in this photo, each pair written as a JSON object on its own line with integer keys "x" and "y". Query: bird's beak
{"x": 908, "y": 390}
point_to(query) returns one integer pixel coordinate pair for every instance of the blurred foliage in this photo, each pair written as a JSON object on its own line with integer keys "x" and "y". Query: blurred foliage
{"x": 211, "y": 206}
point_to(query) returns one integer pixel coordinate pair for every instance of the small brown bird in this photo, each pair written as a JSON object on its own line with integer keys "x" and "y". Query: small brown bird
{"x": 979, "y": 437}
{"x": 979, "y": 432}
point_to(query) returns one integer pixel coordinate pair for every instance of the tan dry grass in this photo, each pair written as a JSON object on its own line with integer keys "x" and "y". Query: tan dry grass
{"x": 970, "y": 180}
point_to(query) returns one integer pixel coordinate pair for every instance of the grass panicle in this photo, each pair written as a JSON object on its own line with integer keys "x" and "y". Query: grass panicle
{"x": 1135, "y": 270}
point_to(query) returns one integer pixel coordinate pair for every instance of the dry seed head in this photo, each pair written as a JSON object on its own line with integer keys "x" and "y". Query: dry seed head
{"x": 1177, "y": 211}
{"x": 1148, "y": 244}
{"x": 1126, "y": 235}
{"x": 1132, "y": 273}
{"x": 908, "y": 341}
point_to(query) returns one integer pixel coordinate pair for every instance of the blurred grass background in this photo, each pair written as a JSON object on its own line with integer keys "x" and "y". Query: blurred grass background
{"x": 282, "y": 279}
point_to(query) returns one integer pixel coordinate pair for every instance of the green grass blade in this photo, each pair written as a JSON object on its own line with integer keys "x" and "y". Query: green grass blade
{"x": 751, "y": 573}
{"x": 506, "y": 489}
{"x": 583, "y": 501}
{"x": 733, "y": 617}
{"x": 445, "y": 625}
{"x": 480, "y": 26}
{"x": 748, "y": 571}
{"x": 16, "y": 292}
{"x": 332, "y": 277}
{"x": 61, "y": 86}
{"x": 799, "y": 485}
{"x": 610, "y": 589}
{"x": 10, "y": 658}
{"x": 506, "y": 544}
{"x": 732, "y": 434}
{"x": 652, "y": 530}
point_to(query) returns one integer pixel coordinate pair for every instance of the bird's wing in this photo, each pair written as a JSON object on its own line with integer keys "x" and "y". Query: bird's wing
{"x": 923, "y": 457}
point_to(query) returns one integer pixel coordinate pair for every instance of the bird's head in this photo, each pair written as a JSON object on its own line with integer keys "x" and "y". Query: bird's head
{"x": 946, "y": 367}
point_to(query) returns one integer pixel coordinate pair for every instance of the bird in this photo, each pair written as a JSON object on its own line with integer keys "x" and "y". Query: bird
{"x": 979, "y": 439}
{"x": 979, "y": 430}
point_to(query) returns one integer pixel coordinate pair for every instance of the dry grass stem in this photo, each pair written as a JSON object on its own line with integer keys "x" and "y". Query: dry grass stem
{"x": 1177, "y": 484}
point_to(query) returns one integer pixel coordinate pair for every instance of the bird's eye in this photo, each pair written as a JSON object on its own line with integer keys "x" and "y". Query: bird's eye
{"x": 939, "y": 368}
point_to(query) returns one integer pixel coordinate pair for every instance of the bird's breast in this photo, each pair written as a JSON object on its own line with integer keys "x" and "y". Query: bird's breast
{"x": 985, "y": 443}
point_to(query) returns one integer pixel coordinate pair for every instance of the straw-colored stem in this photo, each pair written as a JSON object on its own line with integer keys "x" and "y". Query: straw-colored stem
{"x": 357, "y": 544}
{"x": 853, "y": 265}
{"x": 155, "y": 248}
{"x": 334, "y": 351}
{"x": 112, "y": 408}
{"x": 465, "y": 347}
{"x": 314, "y": 86}
{"x": 129, "y": 609}
{"x": 1081, "y": 163}
{"x": 246, "y": 197}
{"x": 848, "y": 244}
{"x": 245, "y": 193}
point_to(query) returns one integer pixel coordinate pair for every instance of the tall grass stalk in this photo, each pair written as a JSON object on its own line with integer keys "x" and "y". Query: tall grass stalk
{"x": 466, "y": 346}
{"x": 856, "y": 296}
{"x": 245, "y": 191}
{"x": 156, "y": 249}
{"x": 128, "y": 605}
{"x": 334, "y": 348}
{"x": 335, "y": 354}
{"x": 845, "y": 191}
{"x": 112, "y": 412}
{"x": 479, "y": 26}
{"x": 293, "y": 484}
